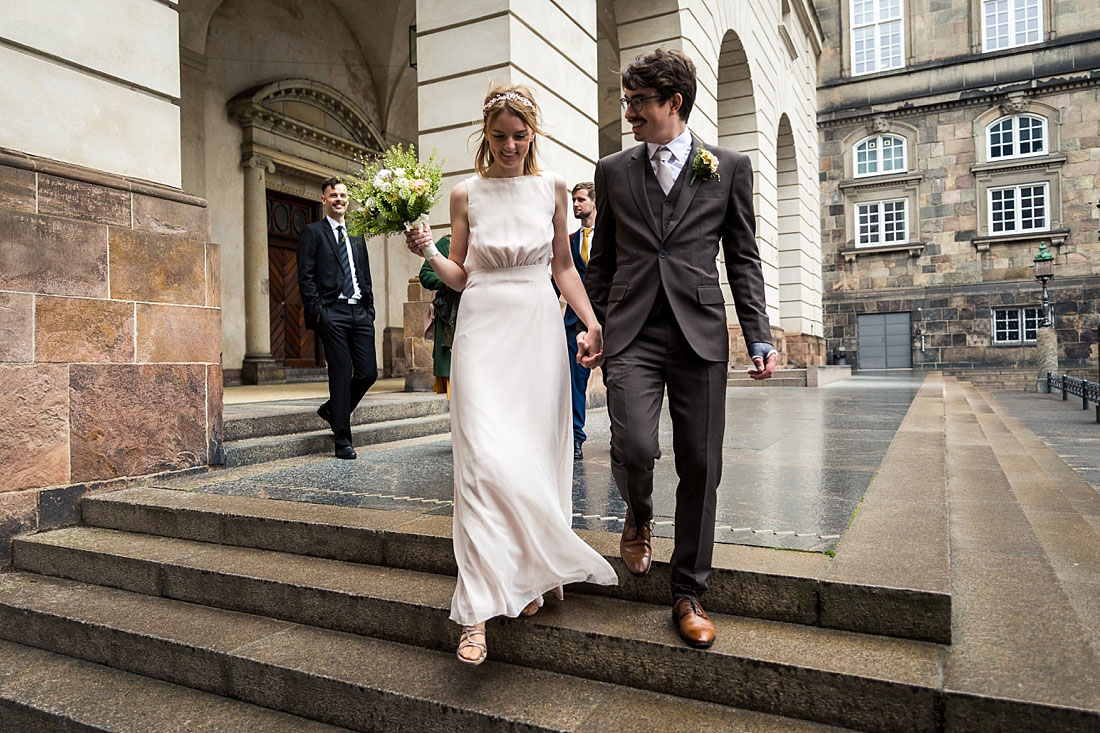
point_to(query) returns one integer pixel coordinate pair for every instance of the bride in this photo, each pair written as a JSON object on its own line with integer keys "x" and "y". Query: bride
{"x": 511, "y": 420}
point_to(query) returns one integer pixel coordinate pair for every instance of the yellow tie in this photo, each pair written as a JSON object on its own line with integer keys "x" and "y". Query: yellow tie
{"x": 584, "y": 244}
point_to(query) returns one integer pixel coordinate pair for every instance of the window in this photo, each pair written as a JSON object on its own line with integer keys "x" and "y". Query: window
{"x": 876, "y": 35}
{"x": 881, "y": 154}
{"x": 1018, "y": 209}
{"x": 881, "y": 223}
{"x": 1010, "y": 23}
{"x": 1016, "y": 325}
{"x": 1017, "y": 136}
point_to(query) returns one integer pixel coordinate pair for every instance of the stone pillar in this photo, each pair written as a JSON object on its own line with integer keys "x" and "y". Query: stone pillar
{"x": 419, "y": 366}
{"x": 258, "y": 366}
{"x": 549, "y": 47}
{"x": 1047, "y": 355}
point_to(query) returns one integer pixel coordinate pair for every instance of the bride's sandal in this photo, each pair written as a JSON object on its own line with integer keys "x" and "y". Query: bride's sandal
{"x": 467, "y": 642}
{"x": 530, "y": 609}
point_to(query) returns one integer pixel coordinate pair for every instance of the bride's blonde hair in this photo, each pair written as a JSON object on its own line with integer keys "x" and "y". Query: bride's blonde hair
{"x": 519, "y": 101}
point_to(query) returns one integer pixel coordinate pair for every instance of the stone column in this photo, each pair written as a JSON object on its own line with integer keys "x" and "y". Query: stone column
{"x": 1046, "y": 342}
{"x": 258, "y": 366}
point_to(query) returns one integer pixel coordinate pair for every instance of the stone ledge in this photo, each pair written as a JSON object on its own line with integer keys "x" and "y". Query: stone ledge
{"x": 16, "y": 159}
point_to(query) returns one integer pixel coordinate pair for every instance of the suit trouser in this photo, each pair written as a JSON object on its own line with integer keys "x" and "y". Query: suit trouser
{"x": 636, "y": 379}
{"x": 578, "y": 379}
{"x": 347, "y": 332}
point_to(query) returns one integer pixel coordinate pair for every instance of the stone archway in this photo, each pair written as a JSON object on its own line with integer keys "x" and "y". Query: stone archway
{"x": 299, "y": 130}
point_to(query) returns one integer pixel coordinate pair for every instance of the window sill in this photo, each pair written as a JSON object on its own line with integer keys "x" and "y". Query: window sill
{"x": 1048, "y": 162}
{"x": 881, "y": 181}
{"x": 850, "y": 252}
{"x": 1056, "y": 237}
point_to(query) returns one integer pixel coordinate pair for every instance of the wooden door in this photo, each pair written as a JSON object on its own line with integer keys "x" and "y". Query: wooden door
{"x": 291, "y": 342}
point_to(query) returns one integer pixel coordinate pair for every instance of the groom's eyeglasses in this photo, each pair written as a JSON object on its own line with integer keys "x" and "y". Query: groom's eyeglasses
{"x": 636, "y": 103}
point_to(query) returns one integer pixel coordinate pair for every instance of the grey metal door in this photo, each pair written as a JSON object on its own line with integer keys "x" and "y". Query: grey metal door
{"x": 884, "y": 341}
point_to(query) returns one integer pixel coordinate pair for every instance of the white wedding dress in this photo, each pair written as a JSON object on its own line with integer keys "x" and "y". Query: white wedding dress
{"x": 511, "y": 417}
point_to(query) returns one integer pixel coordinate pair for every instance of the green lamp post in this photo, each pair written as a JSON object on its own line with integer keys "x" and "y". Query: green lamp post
{"x": 1044, "y": 272}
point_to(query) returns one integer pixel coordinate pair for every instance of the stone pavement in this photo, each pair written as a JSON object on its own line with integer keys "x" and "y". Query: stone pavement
{"x": 797, "y": 462}
{"x": 1066, "y": 429}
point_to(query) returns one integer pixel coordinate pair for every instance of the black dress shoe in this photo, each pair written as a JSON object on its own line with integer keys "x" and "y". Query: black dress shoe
{"x": 577, "y": 452}
{"x": 346, "y": 452}
{"x": 325, "y": 413}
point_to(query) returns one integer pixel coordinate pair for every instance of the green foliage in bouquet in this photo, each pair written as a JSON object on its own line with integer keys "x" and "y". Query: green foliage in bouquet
{"x": 393, "y": 190}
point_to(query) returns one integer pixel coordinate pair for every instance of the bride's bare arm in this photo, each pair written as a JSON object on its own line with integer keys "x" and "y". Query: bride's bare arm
{"x": 590, "y": 346}
{"x": 450, "y": 269}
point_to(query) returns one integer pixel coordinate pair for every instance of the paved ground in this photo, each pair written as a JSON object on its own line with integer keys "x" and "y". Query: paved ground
{"x": 797, "y": 463}
{"x": 1067, "y": 430}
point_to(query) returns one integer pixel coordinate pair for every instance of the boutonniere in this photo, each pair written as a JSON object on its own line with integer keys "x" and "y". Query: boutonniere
{"x": 704, "y": 166}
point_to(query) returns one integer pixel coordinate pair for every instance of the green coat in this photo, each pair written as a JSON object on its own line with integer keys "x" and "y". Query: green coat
{"x": 445, "y": 306}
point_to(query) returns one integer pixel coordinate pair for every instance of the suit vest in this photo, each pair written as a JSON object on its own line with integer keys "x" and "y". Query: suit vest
{"x": 663, "y": 207}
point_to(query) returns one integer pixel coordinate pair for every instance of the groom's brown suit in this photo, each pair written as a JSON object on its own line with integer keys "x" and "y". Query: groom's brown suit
{"x": 653, "y": 282}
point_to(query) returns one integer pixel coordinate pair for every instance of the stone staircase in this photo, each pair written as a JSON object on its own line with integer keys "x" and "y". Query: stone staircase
{"x": 962, "y": 598}
{"x": 783, "y": 378}
{"x": 268, "y": 432}
{"x": 1022, "y": 379}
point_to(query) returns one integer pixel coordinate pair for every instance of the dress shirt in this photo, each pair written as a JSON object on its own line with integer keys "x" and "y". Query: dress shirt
{"x": 351, "y": 260}
{"x": 680, "y": 147}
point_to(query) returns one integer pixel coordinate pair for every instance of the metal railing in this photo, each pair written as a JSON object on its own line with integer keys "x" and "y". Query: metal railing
{"x": 1083, "y": 388}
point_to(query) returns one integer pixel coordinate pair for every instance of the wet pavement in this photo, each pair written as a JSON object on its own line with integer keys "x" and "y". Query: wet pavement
{"x": 1072, "y": 433}
{"x": 797, "y": 462}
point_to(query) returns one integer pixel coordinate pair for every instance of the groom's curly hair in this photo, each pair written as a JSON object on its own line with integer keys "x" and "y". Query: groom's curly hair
{"x": 669, "y": 72}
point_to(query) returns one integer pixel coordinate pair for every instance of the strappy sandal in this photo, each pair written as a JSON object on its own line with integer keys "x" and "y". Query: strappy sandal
{"x": 466, "y": 642}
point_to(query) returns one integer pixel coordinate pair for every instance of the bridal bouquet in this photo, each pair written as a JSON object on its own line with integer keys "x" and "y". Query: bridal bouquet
{"x": 394, "y": 192}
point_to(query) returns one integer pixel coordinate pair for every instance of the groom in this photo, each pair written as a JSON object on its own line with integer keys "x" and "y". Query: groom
{"x": 653, "y": 283}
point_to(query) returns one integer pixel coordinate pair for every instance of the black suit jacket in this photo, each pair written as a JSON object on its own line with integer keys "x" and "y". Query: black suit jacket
{"x": 631, "y": 254}
{"x": 575, "y": 248}
{"x": 321, "y": 270}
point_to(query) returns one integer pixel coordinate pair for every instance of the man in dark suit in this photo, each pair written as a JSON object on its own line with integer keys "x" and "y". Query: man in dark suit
{"x": 653, "y": 282}
{"x": 584, "y": 209}
{"x": 334, "y": 279}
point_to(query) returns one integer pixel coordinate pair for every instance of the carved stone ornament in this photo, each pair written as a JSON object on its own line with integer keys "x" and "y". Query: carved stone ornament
{"x": 878, "y": 124}
{"x": 258, "y": 161}
{"x": 1015, "y": 103}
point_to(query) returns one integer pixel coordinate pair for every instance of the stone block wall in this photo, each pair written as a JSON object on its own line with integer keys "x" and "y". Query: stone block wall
{"x": 418, "y": 350}
{"x": 110, "y": 338}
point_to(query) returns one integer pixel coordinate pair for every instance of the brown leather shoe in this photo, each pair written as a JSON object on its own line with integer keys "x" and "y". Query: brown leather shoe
{"x": 695, "y": 628}
{"x": 634, "y": 546}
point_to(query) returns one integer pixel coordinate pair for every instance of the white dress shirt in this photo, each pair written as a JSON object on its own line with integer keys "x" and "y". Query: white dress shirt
{"x": 351, "y": 260}
{"x": 680, "y": 147}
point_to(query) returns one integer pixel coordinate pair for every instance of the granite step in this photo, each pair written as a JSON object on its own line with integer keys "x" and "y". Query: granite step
{"x": 753, "y": 582}
{"x": 864, "y": 681}
{"x": 1023, "y": 574}
{"x": 300, "y": 416}
{"x": 43, "y": 691}
{"x": 249, "y": 451}
{"x": 334, "y": 677}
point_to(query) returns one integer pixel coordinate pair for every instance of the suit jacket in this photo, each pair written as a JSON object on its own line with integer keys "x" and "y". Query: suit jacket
{"x": 575, "y": 247}
{"x": 321, "y": 270}
{"x": 632, "y": 253}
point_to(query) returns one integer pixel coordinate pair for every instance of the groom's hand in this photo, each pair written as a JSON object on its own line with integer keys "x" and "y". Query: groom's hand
{"x": 590, "y": 348}
{"x": 762, "y": 370}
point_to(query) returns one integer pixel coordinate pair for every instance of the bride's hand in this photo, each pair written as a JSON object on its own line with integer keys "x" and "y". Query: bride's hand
{"x": 417, "y": 239}
{"x": 590, "y": 347}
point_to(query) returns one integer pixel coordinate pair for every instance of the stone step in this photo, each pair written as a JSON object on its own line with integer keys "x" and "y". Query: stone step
{"x": 301, "y": 415}
{"x": 777, "y": 381}
{"x": 274, "y": 447}
{"x": 334, "y": 677}
{"x": 746, "y": 581}
{"x": 44, "y": 691}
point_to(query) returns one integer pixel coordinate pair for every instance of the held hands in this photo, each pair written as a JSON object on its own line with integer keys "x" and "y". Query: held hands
{"x": 590, "y": 347}
{"x": 761, "y": 370}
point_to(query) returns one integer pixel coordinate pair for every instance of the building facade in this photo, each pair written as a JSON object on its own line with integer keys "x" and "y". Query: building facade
{"x": 956, "y": 138}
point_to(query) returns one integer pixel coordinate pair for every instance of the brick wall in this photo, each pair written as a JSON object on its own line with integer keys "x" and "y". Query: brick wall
{"x": 110, "y": 337}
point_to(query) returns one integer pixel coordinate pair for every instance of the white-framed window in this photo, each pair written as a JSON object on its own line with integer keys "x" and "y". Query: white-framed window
{"x": 1016, "y": 325}
{"x": 880, "y": 223}
{"x": 1017, "y": 136}
{"x": 1015, "y": 209}
{"x": 877, "y": 35}
{"x": 880, "y": 154}
{"x": 1011, "y": 23}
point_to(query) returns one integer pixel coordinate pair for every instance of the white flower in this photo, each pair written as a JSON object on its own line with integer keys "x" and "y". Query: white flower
{"x": 403, "y": 183}
{"x": 369, "y": 203}
{"x": 387, "y": 187}
{"x": 377, "y": 182}
{"x": 403, "y": 192}
{"x": 399, "y": 172}
{"x": 385, "y": 174}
